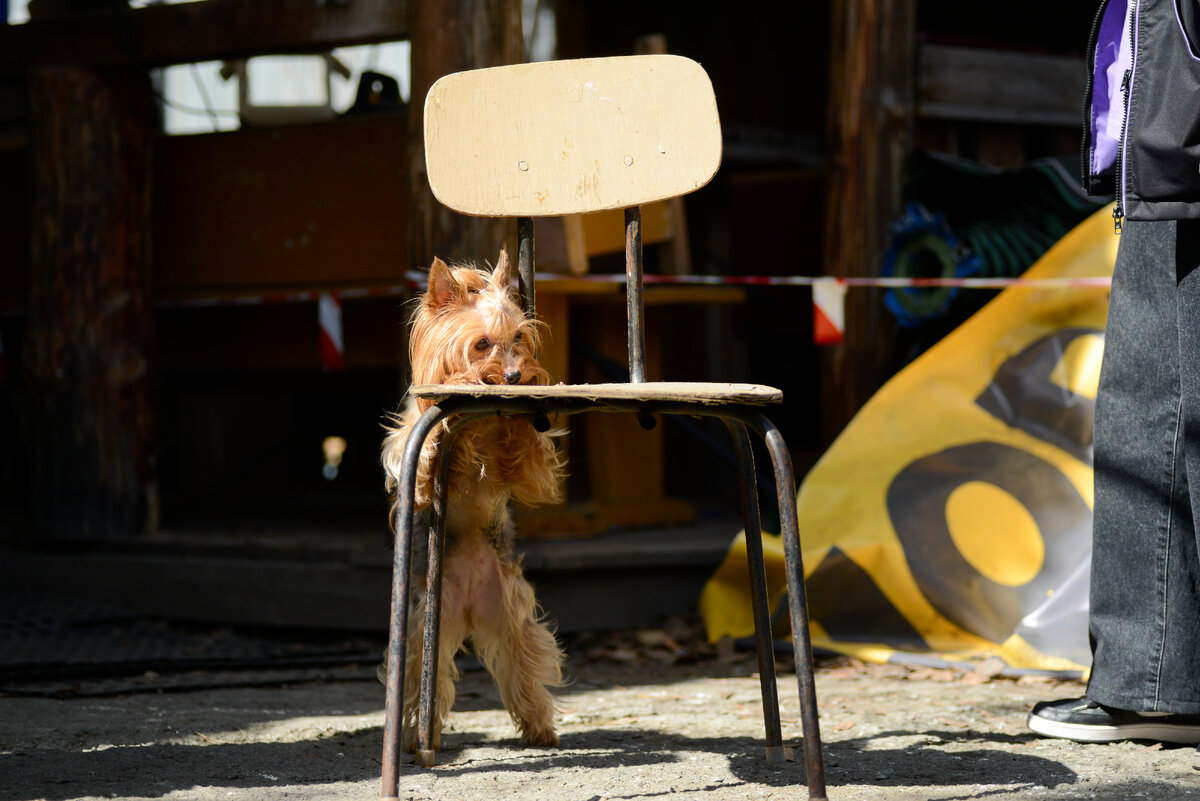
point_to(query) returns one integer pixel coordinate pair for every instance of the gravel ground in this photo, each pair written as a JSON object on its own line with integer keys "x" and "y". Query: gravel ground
{"x": 642, "y": 717}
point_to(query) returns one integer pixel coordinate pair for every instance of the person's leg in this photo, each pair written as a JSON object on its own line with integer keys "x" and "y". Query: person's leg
{"x": 1179, "y": 689}
{"x": 1144, "y": 608}
{"x": 1144, "y": 605}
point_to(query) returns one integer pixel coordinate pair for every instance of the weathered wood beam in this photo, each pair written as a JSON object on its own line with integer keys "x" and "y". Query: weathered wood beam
{"x": 965, "y": 83}
{"x": 449, "y": 36}
{"x": 205, "y": 31}
{"x": 90, "y": 351}
{"x": 870, "y": 137}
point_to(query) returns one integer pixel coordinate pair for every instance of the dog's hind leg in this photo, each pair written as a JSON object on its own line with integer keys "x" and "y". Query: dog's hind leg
{"x": 453, "y": 633}
{"x": 520, "y": 652}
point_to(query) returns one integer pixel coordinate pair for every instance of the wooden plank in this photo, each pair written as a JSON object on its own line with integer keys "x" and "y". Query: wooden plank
{"x": 625, "y": 463}
{"x": 604, "y": 231}
{"x": 576, "y": 241}
{"x": 702, "y": 544}
{"x": 231, "y": 590}
{"x": 664, "y": 233}
{"x": 584, "y": 291}
{"x": 711, "y": 393}
{"x": 698, "y": 295}
{"x": 572, "y": 240}
{"x": 160, "y": 35}
{"x": 553, "y": 309}
{"x": 568, "y": 137}
{"x": 585, "y": 519}
{"x": 620, "y": 579}
{"x": 963, "y": 83}
{"x": 306, "y": 205}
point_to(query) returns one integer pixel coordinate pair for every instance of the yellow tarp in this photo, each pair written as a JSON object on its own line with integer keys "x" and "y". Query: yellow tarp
{"x": 953, "y": 515}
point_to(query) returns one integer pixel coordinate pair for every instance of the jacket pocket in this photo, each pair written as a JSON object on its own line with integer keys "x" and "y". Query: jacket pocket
{"x": 1187, "y": 12}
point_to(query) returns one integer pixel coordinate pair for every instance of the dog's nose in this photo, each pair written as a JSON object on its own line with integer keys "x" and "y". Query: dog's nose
{"x": 513, "y": 376}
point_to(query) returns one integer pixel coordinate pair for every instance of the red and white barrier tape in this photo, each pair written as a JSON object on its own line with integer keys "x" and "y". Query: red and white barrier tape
{"x": 333, "y": 348}
{"x": 829, "y": 311}
{"x": 808, "y": 280}
{"x": 414, "y": 279}
{"x": 829, "y": 296}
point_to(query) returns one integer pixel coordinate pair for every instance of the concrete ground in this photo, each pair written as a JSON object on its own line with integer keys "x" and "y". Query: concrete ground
{"x": 646, "y": 715}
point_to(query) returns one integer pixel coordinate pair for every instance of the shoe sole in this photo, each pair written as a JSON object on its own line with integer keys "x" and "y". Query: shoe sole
{"x": 1143, "y": 730}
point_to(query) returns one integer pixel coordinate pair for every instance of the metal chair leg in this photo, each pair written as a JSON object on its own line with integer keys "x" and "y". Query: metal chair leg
{"x": 393, "y": 721}
{"x": 785, "y": 488}
{"x": 431, "y": 634}
{"x": 431, "y": 639}
{"x": 738, "y": 421}
{"x": 763, "y": 641}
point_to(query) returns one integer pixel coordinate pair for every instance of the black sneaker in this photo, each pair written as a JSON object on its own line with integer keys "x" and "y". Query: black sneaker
{"x": 1085, "y": 720}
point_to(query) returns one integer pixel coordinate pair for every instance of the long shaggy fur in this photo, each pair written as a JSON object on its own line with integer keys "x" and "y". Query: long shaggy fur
{"x": 463, "y": 308}
{"x": 469, "y": 329}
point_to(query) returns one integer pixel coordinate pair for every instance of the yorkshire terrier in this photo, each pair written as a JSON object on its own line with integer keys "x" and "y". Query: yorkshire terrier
{"x": 469, "y": 329}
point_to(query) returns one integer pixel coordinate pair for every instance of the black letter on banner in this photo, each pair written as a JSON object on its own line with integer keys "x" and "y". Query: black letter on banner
{"x": 917, "y": 500}
{"x": 1024, "y": 397}
{"x": 845, "y": 601}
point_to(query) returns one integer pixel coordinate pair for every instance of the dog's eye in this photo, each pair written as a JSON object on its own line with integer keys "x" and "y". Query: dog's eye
{"x": 483, "y": 344}
{"x": 517, "y": 338}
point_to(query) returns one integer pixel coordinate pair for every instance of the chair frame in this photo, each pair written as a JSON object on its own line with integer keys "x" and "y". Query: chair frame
{"x": 740, "y": 407}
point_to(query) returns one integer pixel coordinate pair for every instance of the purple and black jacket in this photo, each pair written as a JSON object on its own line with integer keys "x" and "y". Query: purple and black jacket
{"x": 1142, "y": 111}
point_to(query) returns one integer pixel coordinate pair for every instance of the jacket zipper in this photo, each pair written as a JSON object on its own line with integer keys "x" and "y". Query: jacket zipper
{"x": 1126, "y": 85}
{"x": 1118, "y": 209}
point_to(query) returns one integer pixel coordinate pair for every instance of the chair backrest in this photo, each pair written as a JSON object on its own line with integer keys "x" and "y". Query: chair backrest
{"x": 570, "y": 137}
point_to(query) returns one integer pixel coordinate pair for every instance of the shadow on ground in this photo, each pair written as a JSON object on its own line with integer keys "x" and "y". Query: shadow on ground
{"x": 932, "y": 763}
{"x": 156, "y": 770}
{"x": 848, "y": 762}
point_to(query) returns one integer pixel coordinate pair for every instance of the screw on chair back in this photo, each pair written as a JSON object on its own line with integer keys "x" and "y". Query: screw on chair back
{"x": 571, "y": 137}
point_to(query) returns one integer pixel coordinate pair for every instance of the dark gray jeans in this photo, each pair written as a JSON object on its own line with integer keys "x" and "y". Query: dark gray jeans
{"x": 1145, "y": 590}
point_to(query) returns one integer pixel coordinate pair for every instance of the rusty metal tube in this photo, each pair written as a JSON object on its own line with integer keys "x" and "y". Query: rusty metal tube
{"x": 633, "y": 294}
{"x": 763, "y": 641}
{"x": 393, "y": 720}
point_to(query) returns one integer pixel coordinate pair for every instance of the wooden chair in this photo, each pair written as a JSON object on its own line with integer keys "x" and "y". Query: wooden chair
{"x": 569, "y": 137}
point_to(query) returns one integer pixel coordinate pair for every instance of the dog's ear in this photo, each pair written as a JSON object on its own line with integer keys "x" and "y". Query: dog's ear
{"x": 502, "y": 274}
{"x": 443, "y": 288}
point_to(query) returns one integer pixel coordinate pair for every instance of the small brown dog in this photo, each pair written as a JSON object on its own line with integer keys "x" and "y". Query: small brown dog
{"x": 469, "y": 329}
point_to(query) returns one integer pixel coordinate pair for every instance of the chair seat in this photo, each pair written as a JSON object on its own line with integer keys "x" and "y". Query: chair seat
{"x": 711, "y": 394}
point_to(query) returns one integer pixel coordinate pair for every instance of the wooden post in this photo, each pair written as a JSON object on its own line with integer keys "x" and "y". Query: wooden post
{"x": 451, "y": 36}
{"x": 90, "y": 347}
{"x": 870, "y": 135}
